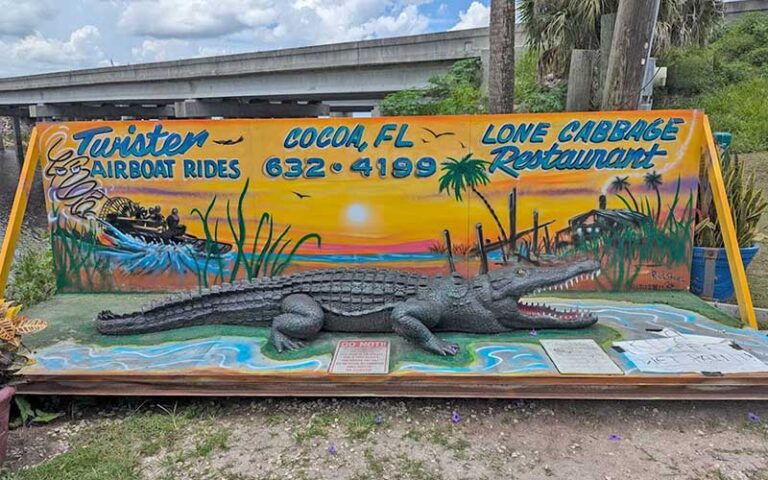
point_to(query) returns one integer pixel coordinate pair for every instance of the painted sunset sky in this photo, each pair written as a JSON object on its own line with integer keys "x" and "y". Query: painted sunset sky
{"x": 355, "y": 214}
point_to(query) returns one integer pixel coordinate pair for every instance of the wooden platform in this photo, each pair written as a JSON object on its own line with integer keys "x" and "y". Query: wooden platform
{"x": 630, "y": 387}
{"x": 71, "y": 358}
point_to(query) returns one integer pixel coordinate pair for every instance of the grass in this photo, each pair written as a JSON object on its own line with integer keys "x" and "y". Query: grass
{"x": 114, "y": 450}
{"x": 317, "y": 427}
{"x": 757, "y": 273}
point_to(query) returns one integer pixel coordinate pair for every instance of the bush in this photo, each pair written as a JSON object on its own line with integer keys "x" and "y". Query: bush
{"x": 455, "y": 92}
{"x": 728, "y": 79}
{"x": 33, "y": 280}
{"x": 530, "y": 95}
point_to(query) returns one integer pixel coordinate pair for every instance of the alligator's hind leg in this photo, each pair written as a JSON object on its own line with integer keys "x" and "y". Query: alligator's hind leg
{"x": 413, "y": 319}
{"x": 302, "y": 319}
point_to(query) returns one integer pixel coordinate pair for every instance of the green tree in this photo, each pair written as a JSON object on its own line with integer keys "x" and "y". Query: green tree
{"x": 467, "y": 173}
{"x": 652, "y": 181}
{"x": 555, "y": 27}
{"x": 621, "y": 184}
{"x": 455, "y": 92}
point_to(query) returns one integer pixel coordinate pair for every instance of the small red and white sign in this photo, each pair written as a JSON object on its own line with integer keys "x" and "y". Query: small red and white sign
{"x": 361, "y": 357}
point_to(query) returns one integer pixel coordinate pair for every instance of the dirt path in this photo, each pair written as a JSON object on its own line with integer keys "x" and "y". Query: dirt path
{"x": 397, "y": 439}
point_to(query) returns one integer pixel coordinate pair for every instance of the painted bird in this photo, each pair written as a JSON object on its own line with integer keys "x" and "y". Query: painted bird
{"x": 302, "y": 195}
{"x": 229, "y": 141}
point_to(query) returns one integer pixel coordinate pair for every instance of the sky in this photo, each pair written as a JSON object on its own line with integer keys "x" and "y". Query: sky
{"x": 38, "y": 36}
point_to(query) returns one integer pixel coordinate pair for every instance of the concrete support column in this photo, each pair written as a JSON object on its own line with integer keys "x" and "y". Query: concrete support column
{"x": 17, "y": 139}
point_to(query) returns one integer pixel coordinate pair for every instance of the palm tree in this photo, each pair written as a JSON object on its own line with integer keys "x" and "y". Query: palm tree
{"x": 501, "y": 69}
{"x": 555, "y": 27}
{"x": 653, "y": 181}
{"x": 458, "y": 175}
{"x": 621, "y": 184}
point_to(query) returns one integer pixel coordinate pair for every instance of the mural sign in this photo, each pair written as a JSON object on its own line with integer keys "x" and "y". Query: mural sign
{"x": 161, "y": 206}
{"x": 384, "y": 248}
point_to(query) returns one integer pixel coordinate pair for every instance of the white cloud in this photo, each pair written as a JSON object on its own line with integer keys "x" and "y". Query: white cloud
{"x": 81, "y": 49}
{"x": 153, "y": 50}
{"x": 477, "y": 15}
{"x": 19, "y": 17}
{"x": 275, "y": 22}
{"x": 194, "y": 18}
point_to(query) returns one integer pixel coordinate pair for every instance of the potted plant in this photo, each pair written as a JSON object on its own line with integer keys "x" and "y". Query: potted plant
{"x": 12, "y": 327}
{"x": 710, "y": 273}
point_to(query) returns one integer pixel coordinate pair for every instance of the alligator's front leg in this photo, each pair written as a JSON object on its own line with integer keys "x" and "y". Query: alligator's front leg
{"x": 302, "y": 319}
{"x": 413, "y": 318}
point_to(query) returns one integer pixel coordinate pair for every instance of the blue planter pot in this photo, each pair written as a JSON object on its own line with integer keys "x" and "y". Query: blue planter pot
{"x": 710, "y": 274}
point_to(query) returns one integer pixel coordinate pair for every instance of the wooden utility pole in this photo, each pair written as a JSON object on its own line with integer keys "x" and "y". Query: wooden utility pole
{"x": 501, "y": 68}
{"x": 630, "y": 49}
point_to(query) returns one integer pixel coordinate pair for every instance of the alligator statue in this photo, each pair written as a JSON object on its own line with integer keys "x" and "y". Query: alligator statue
{"x": 370, "y": 300}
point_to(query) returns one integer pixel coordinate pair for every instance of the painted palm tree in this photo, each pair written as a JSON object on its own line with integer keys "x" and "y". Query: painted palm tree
{"x": 621, "y": 184}
{"x": 467, "y": 173}
{"x": 653, "y": 181}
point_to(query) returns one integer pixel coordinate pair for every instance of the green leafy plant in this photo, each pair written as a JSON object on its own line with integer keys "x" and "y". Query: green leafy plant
{"x": 12, "y": 326}
{"x": 556, "y": 27}
{"x": 534, "y": 96}
{"x": 747, "y": 205}
{"x": 28, "y": 415}
{"x": 33, "y": 276}
{"x": 455, "y": 92}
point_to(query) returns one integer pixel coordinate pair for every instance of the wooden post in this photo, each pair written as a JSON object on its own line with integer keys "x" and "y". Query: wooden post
{"x": 17, "y": 210}
{"x": 481, "y": 249}
{"x": 513, "y": 220}
{"x": 725, "y": 217}
{"x": 607, "y": 24}
{"x": 17, "y": 138}
{"x": 584, "y": 67}
{"x": 547, "y": 247}
{"x": 535, "y": 245}
{"x": 447, "y": 238}
{"x": 635, "y": 20}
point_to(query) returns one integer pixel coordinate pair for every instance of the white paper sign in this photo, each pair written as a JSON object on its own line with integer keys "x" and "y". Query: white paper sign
{"x": 580, "y": 357}
{"x": 679, "y": 353}
{"x": 361, "y": 357}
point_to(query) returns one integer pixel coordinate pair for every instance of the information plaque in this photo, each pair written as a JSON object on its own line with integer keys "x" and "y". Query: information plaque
{"x": 361, "y": 357}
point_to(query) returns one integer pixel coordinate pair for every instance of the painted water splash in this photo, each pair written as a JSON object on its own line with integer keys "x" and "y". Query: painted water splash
{"x": 243, "y": 354}
{"x": 495, "y": 359}
{"x": 137, "y": 256}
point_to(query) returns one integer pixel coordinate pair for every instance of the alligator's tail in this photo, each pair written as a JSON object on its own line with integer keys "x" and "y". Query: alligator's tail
{"x": 207, "y": 308}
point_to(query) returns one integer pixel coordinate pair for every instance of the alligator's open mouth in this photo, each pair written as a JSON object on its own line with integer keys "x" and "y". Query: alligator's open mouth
{"x": 535, "y": 308}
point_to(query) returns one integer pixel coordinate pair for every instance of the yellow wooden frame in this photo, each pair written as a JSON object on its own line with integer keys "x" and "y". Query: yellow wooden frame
{"x": 18, "y": 209}
{"x": 724, "y": 216}
{"x": 714, "y": 173}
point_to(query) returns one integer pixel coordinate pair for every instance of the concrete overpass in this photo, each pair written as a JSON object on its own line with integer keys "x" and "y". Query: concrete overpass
{"x": 309, "y": 81}
{"x": 312, "y": 81}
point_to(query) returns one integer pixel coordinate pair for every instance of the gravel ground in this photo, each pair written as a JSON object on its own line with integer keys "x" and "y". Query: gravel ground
{"x": 401, "y": 439}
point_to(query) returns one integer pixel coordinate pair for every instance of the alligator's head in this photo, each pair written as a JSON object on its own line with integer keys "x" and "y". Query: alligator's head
{"x": 511, "y": 284}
